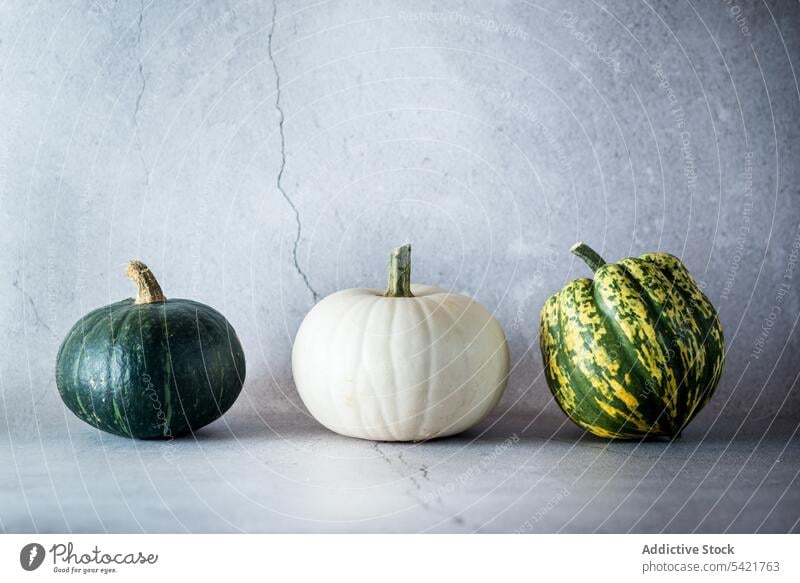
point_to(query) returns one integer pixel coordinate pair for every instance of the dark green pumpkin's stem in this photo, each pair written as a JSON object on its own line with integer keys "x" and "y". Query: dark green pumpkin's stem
{"x": 589, "y": 255}
{"x": 147, "y": 289}
{"x": 400, "y": 273}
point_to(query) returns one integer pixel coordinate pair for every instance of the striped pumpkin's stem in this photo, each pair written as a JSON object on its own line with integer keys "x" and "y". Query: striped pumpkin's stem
{"x": 589, "y": 255}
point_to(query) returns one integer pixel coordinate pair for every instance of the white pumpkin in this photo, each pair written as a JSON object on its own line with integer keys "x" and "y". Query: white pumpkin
{"x": 407, "y": 364}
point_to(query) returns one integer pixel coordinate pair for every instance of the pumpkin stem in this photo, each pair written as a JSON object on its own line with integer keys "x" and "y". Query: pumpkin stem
{"x": 589, "y": 255}
{"x": 147, "y": 289}
{"x": 400, "y": 273}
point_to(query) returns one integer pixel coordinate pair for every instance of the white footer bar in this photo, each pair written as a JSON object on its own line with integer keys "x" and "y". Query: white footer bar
{"x": 401, "y": 558}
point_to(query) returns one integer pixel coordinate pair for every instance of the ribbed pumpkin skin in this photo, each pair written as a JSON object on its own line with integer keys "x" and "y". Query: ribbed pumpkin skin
{"x": 635, "y": 353}
{"x": 400, "y": 369}
{"x": 148, "y": 371}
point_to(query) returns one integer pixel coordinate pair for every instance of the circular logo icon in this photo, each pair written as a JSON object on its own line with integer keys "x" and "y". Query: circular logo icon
{"x": 31, "y": 556}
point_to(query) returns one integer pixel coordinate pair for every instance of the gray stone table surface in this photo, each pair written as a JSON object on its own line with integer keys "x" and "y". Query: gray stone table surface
{"x": 260, "y": 155}
{"x": 511, "y": 474}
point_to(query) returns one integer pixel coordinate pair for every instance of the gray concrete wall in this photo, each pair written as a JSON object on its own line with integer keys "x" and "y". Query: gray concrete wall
{"x": 257, "y": 166}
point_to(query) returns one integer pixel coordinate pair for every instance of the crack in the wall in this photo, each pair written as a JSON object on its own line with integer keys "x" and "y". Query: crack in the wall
{"x": 279, "y": 181}
{"x": 138, "y": 105}
{"x": 36, "y": 316}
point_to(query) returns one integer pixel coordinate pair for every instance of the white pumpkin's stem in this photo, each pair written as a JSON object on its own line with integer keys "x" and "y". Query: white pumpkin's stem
{"x": 400, "y": 273}
{"x": 589, "y": 255}
{"x": 147, "y": 289}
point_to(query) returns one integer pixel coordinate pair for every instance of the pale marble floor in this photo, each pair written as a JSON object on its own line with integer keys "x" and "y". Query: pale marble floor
{"x": 298, "y": 477}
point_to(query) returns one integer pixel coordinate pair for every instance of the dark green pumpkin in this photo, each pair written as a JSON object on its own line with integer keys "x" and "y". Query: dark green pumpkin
{"x": 151, "y": 367}
{"x": 636, "y": 352}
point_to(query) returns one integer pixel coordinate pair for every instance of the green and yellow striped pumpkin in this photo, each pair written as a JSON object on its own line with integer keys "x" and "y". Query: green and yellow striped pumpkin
{"x": 636, "y": 352}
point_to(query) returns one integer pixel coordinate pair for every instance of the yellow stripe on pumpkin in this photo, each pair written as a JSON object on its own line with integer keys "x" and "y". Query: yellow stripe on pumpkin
{"x": 582, "y": 331}
{"x": 630, "y": 314}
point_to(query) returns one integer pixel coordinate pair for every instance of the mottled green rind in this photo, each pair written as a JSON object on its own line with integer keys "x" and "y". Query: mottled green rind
{"x": 150, "y": 371}
{"x": 634, "y": 353}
